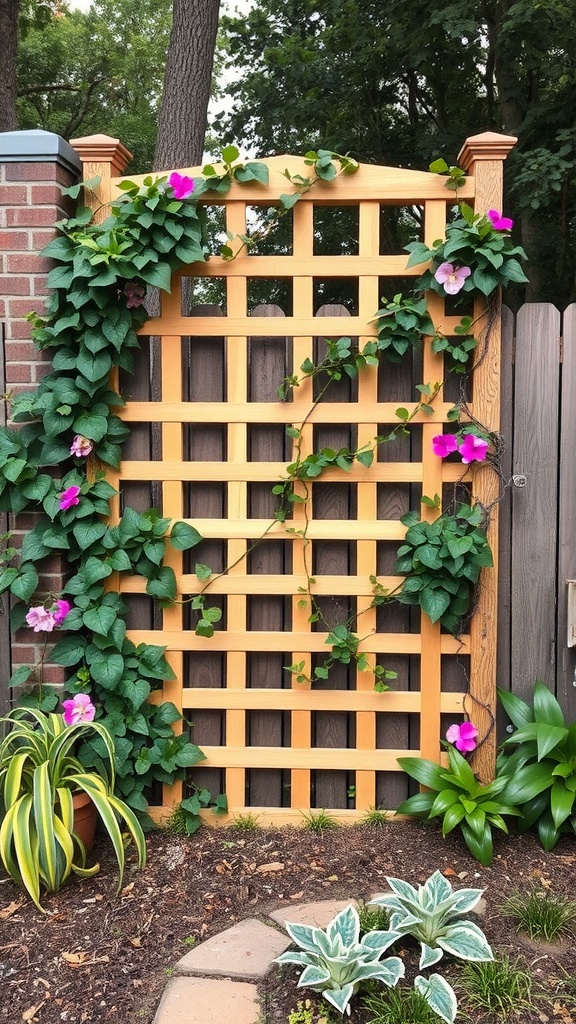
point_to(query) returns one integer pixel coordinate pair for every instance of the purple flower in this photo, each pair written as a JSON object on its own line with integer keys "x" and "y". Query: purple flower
{"x": 499, "y": 222}
{"x": 41, "y": 619}
{"x": 473, "y": 449}
{"x": 181, "y": 185}
{"x": 79, "y": 709}
{"x": 463, "y": 736}
{"x": 452, "y": 277}
{"x": 135, "y": 294}
{"x": 69, "y": 497}
{"x": 81, "y": 446}
{"x": 60, "y": 612}
{"x": 444, "y": 444}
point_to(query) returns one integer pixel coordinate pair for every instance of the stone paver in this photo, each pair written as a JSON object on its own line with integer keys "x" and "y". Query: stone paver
{"x": 208, "y": 1001}
{"x": 244, "y": 951}
{"x": 318, "y": 914}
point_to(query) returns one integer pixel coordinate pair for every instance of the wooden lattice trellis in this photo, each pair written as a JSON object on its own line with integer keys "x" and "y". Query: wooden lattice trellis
{"x": 211, "y": 432}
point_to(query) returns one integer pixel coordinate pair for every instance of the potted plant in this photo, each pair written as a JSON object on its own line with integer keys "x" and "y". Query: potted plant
{"x": 39, "y": 777}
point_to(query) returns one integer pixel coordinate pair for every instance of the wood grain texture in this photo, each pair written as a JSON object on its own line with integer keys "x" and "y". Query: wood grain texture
{"x": 566, "y": 656}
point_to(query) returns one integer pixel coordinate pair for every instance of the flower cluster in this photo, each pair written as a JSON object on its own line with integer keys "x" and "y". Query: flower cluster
{"x": 471, "y": 447}
{"x": 463, "y": 737}
{"x": 44, "y": 620}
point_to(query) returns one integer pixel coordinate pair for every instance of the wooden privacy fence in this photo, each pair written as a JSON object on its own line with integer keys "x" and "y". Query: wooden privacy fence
{"x": 208, "y": 444}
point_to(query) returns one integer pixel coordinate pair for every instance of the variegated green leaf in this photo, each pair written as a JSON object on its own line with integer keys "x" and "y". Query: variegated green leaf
{"x": 466, "y": 941}
{"x": 439, "y": 995}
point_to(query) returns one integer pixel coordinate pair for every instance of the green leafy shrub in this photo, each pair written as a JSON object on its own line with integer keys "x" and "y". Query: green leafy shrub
{"x": 538, "y": 764}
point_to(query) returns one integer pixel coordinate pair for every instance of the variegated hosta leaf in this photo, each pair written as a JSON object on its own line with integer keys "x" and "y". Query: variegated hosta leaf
{"x": 293, "y": 957}
{"x": 460, "y": 902}
{"x": 436, "y": 889}
{"x": 429, "y": 956}
{"x": 403, "y": 922}
{"x": 314, "y": 975}
{"x": 439, "y": 995}
{"x": 378, "y": 941}
{"x": 339, "y": 997}
{"x": 403, "y": 889}
{"x": 346, "y": 925}
{"x": 466, "y": 941}
{"x": 304, "y": 935}
{"x": 390, "y": 970}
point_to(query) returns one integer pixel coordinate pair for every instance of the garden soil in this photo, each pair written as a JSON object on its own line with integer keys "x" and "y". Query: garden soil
{"x": 99, "y": 956}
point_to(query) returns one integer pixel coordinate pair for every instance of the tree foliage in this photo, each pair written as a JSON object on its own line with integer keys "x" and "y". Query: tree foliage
{"x": 101, "y": 71}
{"x": 406, "y": 82}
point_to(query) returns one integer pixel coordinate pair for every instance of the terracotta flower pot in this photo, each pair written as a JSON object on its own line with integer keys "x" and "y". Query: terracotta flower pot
{"x": 85, "y": 818}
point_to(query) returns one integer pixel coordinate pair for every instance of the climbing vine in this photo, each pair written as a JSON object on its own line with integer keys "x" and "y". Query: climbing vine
{"x": 68, "y": 427}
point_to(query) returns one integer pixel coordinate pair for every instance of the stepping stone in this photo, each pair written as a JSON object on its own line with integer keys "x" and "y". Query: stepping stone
{"x": 207, "y": 1001}
{"x": 244, "y": 951}
{"x": 317, "y": 914}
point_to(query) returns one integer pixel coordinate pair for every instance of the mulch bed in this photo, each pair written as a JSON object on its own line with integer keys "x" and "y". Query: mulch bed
{"x": 98, "y": 956}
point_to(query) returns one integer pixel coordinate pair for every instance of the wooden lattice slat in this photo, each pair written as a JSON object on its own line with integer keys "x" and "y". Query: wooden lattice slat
{"x": 221, "y": 436}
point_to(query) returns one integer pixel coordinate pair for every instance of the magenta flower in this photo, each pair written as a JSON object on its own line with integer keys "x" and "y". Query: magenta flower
{"x": 444, "y": 444}
{"x": 473, "y": 449}
{"x": 452, "y": 277}
{"x": 79, "y": 709}
{"x": 40, "y": 619}
{"x": 181, "y": 185}
{"x": 499, "y": 222}
{"x": 81, "y": 446}
{"x": 60, "y": 612}
{"x": 135, "y": 294}
{"x": 463, "y": 736}
{"x": 69, "y": 497}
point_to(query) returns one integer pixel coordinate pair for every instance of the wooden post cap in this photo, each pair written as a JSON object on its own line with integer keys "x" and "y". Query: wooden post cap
{"x": 486, "y": 146}
{"x": 103, "y": 149}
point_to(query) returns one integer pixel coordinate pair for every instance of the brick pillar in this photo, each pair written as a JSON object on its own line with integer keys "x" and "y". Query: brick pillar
{"x": 33, "y": 164}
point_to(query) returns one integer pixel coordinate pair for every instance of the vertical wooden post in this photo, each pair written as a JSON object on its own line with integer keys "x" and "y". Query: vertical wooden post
{"x": 483, "y": 156}
{"x": 105, "y": 158}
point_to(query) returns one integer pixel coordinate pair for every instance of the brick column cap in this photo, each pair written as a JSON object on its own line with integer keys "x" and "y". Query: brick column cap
{"x": 38, "y": 146}
{"x": 485, "y": 146}
{"x": 103, "y": 149}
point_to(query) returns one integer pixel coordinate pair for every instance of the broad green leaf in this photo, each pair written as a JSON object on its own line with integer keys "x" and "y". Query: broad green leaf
{"x": 439, "y": 995}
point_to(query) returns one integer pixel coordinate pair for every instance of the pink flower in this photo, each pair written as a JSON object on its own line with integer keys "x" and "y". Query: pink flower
{"x": 473, "y": 449}
{"x": 81, "y": 446}
{"x": 61, "y": 611}
{"x": 499, "y": 222}
{"x": 69, "y": 497}
{"x": 79, "y": 709}
{"x": 41, "y": 619}
{"x": 444, "y": 444}
{"x": 181, "y": 185}
{"x": 463, "y": 736}
{"x": 452, "y": 277}
{"x": 135, "y": 294}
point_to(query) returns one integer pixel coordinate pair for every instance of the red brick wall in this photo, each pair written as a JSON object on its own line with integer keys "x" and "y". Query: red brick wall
{"x": 30, "y": 204}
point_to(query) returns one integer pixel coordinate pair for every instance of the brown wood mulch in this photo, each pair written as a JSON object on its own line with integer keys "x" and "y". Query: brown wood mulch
{"x": 98, "y": 956}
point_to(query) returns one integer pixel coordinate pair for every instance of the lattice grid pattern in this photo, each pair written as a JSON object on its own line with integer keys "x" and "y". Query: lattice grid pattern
{"x": 212, "y": 444}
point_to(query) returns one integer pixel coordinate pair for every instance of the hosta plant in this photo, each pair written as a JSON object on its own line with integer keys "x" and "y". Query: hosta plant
{"x": 433, "y": 914}
{"x": 38, "y": 777}
{"x": 538, "y": 764}
{"x": 336, "y": 960}
{"x": 455, "y": 795}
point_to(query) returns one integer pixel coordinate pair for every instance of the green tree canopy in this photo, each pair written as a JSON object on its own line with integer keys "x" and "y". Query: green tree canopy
{"x": 406, "y": 81}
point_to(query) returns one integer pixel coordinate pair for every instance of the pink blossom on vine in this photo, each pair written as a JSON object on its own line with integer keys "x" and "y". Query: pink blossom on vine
{"x": 181, "y": 185}
{"x": 499, "y": 222}
{"x": 451, "y": 277}
{"x": 81, "y": 446}
{"x": 69, "y": 497}
{"x": 40, "y": 619}
{"x": 473, "y": 449}
{"x": 444, "y": 444}
{"x": 463, "y": 736}
{"x": 62, "y": 610}
{"x": 79, "y": 709}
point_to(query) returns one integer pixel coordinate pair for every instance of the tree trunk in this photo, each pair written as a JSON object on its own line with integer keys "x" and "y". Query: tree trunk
{"x": 182, "y": 119}
{"x": 9, "y": 10}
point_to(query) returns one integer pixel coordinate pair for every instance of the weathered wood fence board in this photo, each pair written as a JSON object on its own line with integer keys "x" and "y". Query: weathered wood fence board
{"x": 5, "y": 659}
